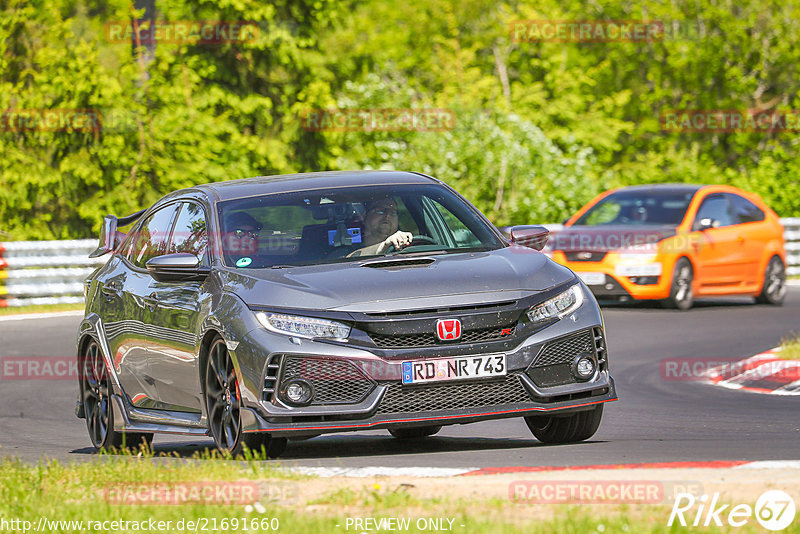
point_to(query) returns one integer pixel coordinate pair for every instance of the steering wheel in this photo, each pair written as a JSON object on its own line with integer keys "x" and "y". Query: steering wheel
{"x": 415, "y": 240}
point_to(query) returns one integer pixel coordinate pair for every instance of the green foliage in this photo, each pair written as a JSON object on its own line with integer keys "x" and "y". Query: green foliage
{"x": 540, "y": 127}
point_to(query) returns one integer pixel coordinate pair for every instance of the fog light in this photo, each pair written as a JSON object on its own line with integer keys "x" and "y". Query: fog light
{"x": 297, "y": 392}
{"x": 584, "y": 367}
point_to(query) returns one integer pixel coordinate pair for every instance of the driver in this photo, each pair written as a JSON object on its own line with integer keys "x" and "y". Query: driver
{"x": 380, "y": 229}
{"x": 240, "y": 240}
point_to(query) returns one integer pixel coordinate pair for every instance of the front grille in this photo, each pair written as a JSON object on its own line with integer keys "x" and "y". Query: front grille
{"x": 334, "y": 381}
{"x": 565, "y": 349}
{"x": 405, "y": 341}
{"x": 453, "y": 396}
{"x": 553, "y": 365}
{"x": 585, "y": 255}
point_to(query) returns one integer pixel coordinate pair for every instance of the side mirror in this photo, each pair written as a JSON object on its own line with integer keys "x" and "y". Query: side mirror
{"x": 179, "y": 267}
{"x": 534, "y": 237}
{"x": 706, "y": 223}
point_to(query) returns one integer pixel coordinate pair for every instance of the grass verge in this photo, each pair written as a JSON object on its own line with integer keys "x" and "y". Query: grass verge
{"x": 139, "y": 492}
{"x": 790, "y": 349}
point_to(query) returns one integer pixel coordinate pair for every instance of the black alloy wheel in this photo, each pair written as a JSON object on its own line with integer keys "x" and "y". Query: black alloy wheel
{"x": 224, "y": 406}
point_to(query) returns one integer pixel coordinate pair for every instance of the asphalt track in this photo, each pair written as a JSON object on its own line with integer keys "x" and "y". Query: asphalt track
{"x": 656, "y": 419}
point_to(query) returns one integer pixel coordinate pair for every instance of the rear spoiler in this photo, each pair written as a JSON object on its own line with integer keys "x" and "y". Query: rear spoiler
{"x": 109, "y": 237}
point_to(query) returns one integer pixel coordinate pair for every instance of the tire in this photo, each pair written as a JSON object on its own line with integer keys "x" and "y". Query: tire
{"x": 773, "y": 291}
{"x": 417, "y": 432}
{"x": 570, "y": 429}
{"x": 681, "y": 296}
{"x": 96, "y": 396}
{"x": 223, "y": 408}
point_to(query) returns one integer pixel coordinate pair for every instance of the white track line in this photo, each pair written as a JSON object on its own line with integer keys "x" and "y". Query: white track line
{"x": 771, "y": 464}
{"x": 49, "y": 315}
{"x": 362, "y": 472}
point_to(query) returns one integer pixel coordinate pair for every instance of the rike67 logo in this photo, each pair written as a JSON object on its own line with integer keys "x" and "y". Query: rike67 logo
{"x": 774, "y": 510}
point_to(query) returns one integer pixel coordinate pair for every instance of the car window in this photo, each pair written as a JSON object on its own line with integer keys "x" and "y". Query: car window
{"x": 457, "y": 230}
{"x": 639, "y": 208}
{"x": 744, "y": 211}
{"x": 190, "y": 234}
{"x": 151, "y": 237}
{"x": 717, "y": 208}
{"x": 347, "y": 224}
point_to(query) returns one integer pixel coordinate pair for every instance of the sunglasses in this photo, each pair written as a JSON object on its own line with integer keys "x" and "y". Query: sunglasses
{"x": 384, "y": 211}
{"x": 241, "y": 233}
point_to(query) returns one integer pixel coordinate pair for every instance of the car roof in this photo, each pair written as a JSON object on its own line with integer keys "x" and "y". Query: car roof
{"x": 674, "y": 188}
{"x": 286, "y": 183}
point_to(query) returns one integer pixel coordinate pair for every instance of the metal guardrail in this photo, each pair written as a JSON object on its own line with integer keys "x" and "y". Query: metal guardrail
{"x": 52, "y": 272}
{"x": 45, "y": 272}
{"x": 791, "y": 233}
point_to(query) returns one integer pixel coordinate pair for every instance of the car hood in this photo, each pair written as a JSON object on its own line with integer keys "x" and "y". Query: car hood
{"x": 378, "y": 286}
{"x": 606, "y": 238}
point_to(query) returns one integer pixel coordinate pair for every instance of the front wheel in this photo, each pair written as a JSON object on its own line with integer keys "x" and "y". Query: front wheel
{"x": 96, "y": 392}
{"x": 224, "y": 404}
{"x": 681, "y": 296}
{"x": 579, "y": 426}
{"x": 774, "y": 289}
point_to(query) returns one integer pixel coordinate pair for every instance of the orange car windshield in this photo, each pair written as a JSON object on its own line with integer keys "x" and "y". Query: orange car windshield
{"x": 659, "y": 208}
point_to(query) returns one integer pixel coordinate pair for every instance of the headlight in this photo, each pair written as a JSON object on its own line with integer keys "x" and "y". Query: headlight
{"x": 306, "y": 327}
{"x": 558, "y": 306}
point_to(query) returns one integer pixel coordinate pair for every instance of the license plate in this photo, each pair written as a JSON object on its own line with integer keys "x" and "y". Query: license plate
{"x": 454, "y": 368}
{"x": 592, "y": 279}
{"x": 650, "y": 269}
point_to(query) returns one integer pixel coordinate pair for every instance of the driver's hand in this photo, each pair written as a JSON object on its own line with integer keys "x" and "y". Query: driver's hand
{"x": 399, "y": 240}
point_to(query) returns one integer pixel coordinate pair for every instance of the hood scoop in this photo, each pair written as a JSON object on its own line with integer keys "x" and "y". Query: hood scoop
{"x": 398, "y": 263}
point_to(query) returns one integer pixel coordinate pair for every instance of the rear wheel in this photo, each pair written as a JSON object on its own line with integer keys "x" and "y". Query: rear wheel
{"x": 96, "y": 392}
{"x": 565, "y": 429}
{"x": 417, "y": 432}
{"x": 774, "y": 289}
{"x": 224, "y": 404}
{"x": 681, "y": 296}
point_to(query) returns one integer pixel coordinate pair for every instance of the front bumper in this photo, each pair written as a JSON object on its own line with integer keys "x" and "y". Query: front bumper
{"x": 620, "y": 287}
{"x": 253, "y": 421}
{"x": 538, "y": 381}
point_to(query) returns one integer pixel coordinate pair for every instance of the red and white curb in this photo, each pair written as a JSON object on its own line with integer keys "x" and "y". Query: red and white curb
{"x": 443, "y": 472}
{"x": 763, "y": 373}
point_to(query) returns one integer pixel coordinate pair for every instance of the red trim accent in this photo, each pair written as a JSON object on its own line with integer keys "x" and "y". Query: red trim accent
{"x": 367, "y": 425}
{"x": 714, "y": 464}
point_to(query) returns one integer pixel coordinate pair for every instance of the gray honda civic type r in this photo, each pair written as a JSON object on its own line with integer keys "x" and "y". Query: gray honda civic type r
{"x": 291, "y": 306}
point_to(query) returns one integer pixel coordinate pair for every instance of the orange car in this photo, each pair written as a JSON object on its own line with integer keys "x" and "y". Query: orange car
{"x": 675, "y": 242}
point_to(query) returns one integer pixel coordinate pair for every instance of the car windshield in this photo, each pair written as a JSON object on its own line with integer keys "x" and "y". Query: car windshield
{"x": 639, "y": 208}
{"x": 349, "y": 224}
